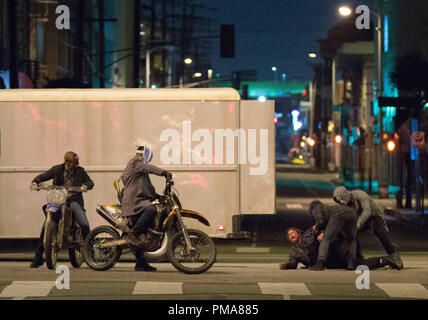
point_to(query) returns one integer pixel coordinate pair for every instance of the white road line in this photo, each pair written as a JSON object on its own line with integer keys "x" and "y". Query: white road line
{"x": 404, "y": 290}
{"x": 294, "y": 206}
{"x": 22, "y": 289}
{"x": 158, "y": 288}
{"x": 286, "y": 289}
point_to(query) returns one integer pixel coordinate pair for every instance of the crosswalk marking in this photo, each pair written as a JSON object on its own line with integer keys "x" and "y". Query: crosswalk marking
{"x": 22, "y": 289}
{"x": 158, "y": 288}
{"x": 285, "y": 289}
{"x": 404, "y": 290}
{"x": 30, "y": 289}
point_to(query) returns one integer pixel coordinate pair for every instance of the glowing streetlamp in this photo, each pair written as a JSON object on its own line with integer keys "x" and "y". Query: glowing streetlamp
{"x": 187, "y": 61}
{"x": 312, "y": 55}
{"x": 345, "y": 11}
{"x": 390, "y": 145}
{"x": 338, "y": 139}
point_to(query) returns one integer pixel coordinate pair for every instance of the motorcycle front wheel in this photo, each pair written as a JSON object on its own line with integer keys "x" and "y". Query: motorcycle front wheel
{"x": 192, "y": 261}
{"x": 101, "y": 259}
{"x": 51, "y": 249}
{"x": 76, "y": 252}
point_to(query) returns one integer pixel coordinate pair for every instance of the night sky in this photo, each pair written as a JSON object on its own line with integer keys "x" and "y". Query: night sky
{"x": 277, "y": 33}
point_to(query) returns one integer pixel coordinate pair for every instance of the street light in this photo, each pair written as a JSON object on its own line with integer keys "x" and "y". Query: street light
{"x": 345, "y": 11}
{"x": 187, "y": 61}
{"x": 312, "y": 55}
{"x": 338, "y": 139}
{"x": 148, "y": 52}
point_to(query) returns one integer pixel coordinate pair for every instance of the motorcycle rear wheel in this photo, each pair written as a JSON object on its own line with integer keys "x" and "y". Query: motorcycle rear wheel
{"x": 101, "y": 259}
{"x": 198, "y": 261}
{"x": 76, "y": 252}
{"x": 51, "y": 249}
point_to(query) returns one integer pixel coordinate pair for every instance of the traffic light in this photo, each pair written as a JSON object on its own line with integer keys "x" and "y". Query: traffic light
{"x": 227, "y": 41}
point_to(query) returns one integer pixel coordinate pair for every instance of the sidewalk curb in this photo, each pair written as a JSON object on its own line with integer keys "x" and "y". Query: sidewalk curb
{"x": 412, "y": 218}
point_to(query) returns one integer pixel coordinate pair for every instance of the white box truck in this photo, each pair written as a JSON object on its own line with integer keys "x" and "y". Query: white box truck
{"x": 220, "y": 149}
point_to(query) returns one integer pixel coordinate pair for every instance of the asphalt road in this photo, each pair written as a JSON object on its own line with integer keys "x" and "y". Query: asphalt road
{"x": 245, "y": 270}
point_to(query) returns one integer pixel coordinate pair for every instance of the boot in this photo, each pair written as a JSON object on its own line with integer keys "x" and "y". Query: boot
{"x": 38, "y": 259}
{"x": 396, "y": 260}
{"x": 144, "y": 266}
{"x": 319, "y": 266}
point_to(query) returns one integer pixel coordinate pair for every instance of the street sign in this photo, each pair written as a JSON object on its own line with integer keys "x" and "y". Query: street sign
{"x": 418, "y": 139}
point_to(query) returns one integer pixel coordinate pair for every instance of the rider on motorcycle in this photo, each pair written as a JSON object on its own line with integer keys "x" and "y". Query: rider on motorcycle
{"x": 68, "y": 174}
{"x": 138, "y": 195}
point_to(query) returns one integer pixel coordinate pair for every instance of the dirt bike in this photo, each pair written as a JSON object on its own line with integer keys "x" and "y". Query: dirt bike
{"x": 61, "y": 229}
{"x": 188, "y": 250}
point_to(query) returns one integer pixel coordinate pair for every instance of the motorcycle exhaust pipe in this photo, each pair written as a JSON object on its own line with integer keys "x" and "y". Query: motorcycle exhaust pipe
{"x": 114, "y": 221}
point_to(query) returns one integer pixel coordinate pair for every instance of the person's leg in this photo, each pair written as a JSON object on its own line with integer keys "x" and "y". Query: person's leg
{"x": 381, "y": 231}
{"x": 142, "y": 263}
{"x": 80, "y": 215}
{"x": 350, "y": 230}
{"x": 38, "y": 254}
{"x": 144, "y": 220}
{"x": 334, "y": 226}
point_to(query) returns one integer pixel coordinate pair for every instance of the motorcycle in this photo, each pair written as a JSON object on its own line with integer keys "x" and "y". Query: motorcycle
{"x": 61, "y": 228}
{"x": 188, "y": 250}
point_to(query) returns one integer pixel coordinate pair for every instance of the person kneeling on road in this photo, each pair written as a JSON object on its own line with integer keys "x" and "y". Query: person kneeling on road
{"x": 370, "y": 216}
{"x": 334, "y": 219}
{"x": 304, "y": 250}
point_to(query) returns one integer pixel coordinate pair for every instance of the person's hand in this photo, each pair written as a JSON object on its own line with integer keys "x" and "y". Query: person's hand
{"x": 167, "y": 175}
{"x": 282, "y": 266}
{"x": 314, "y": 227}
{"x": 358, "y": 225}
{"x": 320, "y": 237}
{"x": 84, "y": 188}
{"x": 34, "y": 186}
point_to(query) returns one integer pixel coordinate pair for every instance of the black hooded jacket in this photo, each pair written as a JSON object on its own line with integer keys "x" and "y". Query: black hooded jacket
{"x": 78, "y": 176}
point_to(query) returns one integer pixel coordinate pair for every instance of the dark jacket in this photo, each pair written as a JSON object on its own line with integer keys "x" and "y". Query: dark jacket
{"x": 78, "y": 176}
{"x": 138, "y": 190}
{"x": 306, "y": 253}
{"x": 365, "y": 206}
{"x": 323, "y": 213}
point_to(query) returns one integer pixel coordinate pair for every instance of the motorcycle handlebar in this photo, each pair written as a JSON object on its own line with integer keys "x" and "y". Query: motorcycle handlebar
{"x": 46, "y": 187}
{"x": 169, "y": 184}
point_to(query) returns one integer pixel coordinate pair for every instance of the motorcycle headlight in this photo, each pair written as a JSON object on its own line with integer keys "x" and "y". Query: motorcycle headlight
{"x": 57, "y": 196}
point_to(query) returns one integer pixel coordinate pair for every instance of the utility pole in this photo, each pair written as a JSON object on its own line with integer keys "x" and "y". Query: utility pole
{"x": 78, "y": 53}
{"x": 13, "y": 45}
{"x": 136, "y": 53}
{"x": 101, "y": 44}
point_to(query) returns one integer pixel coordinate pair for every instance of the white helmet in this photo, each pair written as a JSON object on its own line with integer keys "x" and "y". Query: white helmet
{"x": 146, "y": 152}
